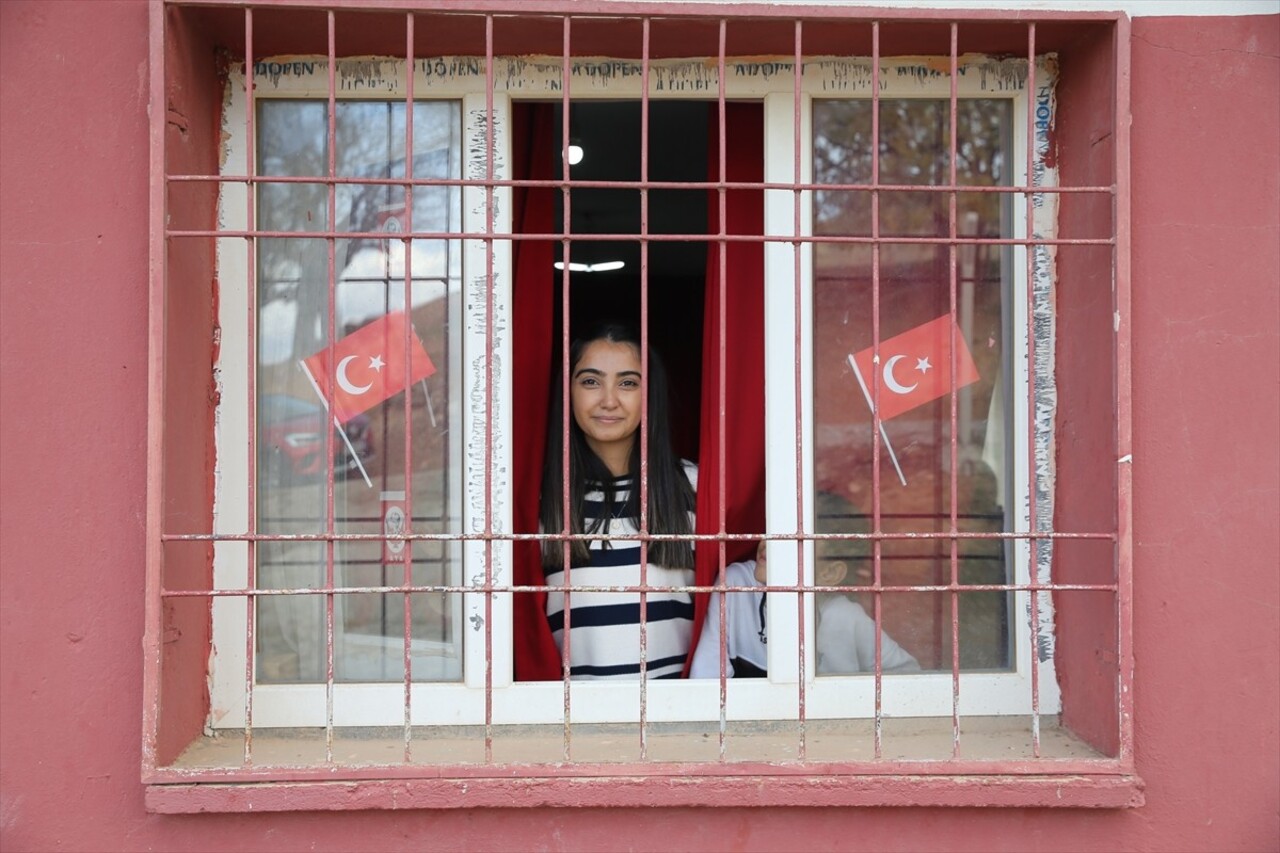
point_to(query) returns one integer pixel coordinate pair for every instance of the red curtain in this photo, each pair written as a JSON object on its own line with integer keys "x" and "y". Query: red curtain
{"x": 533, "y": 212}
{"x": 743, "y": 282}
{"x": 536, "y": 656}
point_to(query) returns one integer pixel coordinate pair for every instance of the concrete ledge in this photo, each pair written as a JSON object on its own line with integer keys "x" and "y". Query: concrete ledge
{"x": 983, "y": 791}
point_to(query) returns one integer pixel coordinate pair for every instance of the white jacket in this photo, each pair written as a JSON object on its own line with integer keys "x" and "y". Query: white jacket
{"x": 846, "y": 634}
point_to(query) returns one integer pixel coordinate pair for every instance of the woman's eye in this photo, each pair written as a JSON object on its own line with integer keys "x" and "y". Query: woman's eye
{"x": 630, "y": 383}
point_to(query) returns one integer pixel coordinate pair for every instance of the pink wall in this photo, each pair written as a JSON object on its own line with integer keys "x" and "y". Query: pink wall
{"x": 73, "y": 274}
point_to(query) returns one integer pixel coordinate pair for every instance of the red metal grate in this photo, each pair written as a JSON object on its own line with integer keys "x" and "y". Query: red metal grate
{"x": 798, "y": 23}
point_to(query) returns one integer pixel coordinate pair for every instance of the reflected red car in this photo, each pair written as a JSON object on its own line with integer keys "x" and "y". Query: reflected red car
{"x": 291, "y": 441}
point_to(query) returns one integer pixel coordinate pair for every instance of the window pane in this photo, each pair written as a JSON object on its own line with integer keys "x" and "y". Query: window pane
{"x": 915, "y": 370}
{"x": 296, "y": 437}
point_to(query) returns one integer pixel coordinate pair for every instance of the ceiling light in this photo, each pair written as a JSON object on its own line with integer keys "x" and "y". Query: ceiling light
{"x": 603, "y": 266}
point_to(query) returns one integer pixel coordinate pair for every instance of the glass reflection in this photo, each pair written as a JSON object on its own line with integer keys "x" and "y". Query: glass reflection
{"x": 368, "y": 447}
{"x": 914, "y": 290}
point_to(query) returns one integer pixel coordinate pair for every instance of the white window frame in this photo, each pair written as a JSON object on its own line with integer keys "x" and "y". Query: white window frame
{"x": 776, "y": 697}
{"x": 927, "y": 694}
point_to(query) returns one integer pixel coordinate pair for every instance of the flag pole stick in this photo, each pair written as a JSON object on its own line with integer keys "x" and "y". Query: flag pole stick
{"x": 430, "y": 409}
{"x": 865, "y": 393}
{"x": 342, "y": 432}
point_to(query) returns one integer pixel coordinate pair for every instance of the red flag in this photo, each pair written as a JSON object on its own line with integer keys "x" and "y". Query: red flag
{"x": 916, "y": 367}
{"x": 368, "y": 366}
{"x": 390, "y": 218}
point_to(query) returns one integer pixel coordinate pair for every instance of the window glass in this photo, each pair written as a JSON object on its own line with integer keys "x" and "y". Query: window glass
{"x": 366, "y": 435}
{"x": 914, "y": 373}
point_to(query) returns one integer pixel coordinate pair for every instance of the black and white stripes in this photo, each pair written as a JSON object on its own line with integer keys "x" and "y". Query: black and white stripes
{"x": 605, "y": 626}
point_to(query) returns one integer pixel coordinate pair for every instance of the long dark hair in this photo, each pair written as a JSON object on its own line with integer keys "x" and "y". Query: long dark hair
{"x": 671, "y": 496}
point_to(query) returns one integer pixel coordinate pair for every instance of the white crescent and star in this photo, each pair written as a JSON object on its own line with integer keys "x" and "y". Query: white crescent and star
{"x": 890, "y": 382}
{"x": 375, "y": 363}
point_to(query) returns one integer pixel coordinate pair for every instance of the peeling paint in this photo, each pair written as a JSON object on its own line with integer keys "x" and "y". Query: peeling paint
{"x": 542, "y": 75}
{"x": 1043, "y": 341}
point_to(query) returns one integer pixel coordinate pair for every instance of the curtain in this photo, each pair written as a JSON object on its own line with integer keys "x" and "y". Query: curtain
{"x": 533, "y": 350}
{"x": 743, "y": 282}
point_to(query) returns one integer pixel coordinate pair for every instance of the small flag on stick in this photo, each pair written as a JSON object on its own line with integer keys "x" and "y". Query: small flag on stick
{"x": 368, "y": 366}
{"x": 915, "y": 368}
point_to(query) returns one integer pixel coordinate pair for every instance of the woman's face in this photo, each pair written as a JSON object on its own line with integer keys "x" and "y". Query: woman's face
{"x": 605, "y": 394}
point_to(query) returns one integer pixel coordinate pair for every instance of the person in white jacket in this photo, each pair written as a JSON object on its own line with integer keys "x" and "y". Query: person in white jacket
{"x": 846, "y": 634}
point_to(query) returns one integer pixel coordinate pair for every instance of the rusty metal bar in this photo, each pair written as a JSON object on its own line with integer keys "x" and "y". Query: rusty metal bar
{"x": 722, "y": 404}
{"x": 671, "y": 238}
{"x": 251, "y": 221}
{"x": 796, "y": 288}
{"x": 419, "y": 588}
{"x": 406, "y": 343}
{"x": 953, "y": 398}
{"x": 489, "y": 154}
{"x": 331, "y": 262}
{"x": 566, "y": 79}
{"x": 877, "y": 543}
{"x": 643, "y": 484}
{"x": 927, "y": 189}
{"x": 566, "y": 407}
{"x": 652, "y": 537}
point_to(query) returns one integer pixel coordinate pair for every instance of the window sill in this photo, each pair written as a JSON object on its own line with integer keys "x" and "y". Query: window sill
{"x": 740, "y": 791}
{"x": 681, "y": 767}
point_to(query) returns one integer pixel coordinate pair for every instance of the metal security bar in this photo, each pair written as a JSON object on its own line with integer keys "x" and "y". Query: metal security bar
{"x": 494, "y": 26}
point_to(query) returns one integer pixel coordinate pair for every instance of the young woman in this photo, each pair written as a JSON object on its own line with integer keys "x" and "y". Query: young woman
{"x": 603, "y": 472}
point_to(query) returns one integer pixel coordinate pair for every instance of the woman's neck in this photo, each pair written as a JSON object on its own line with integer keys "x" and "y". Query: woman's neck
{"x": 617, "y": 459}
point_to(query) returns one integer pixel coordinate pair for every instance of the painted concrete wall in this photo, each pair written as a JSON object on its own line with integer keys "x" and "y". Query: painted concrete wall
{"x": 73, "y": 274}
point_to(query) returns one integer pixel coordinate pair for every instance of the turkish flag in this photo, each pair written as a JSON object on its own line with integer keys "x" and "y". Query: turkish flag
{"x": 390, "y": 218}
{"x": 367, "y": 366}
{"x": 916, "y": 367}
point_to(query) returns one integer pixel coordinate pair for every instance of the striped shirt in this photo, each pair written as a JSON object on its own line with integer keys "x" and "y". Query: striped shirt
{"x": 605, "y": 626}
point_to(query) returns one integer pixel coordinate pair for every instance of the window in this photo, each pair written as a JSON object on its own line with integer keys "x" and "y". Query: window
{"x": 373, "y": 488}
{"x": 852, "y": 260}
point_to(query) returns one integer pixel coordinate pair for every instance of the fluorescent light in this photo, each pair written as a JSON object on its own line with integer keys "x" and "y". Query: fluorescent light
{"x": 604, "y": 266}
{"x": 575, "y": 154}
